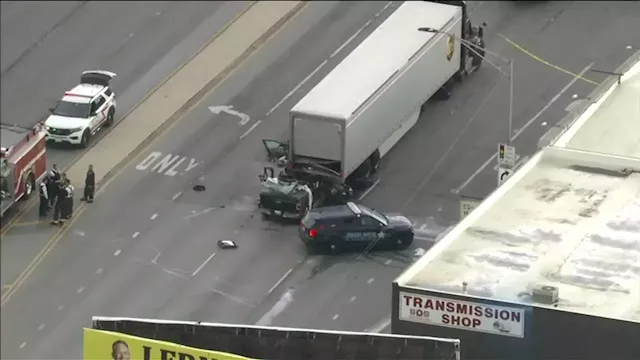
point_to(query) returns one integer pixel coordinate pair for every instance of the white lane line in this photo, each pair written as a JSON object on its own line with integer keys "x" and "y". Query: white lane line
{"x": 336, "y": 316}
{"x": 203, "y": 264}
{"x": 250, "y": 129}
{"x": 344, "y": 44}
{"x": 194, "y": 214}
{"x": 370, "y": 281}
{"x": 280, "y": 281}
{"x": 81, "y": 289}
{"x": 171, "y": 272}
{"x": 135, "y": 234}
{"x": 296, "y": 88}
{"x": 277, "y": 309}
{"x": 379, "y": 327}
{"x": 117, "y": 252}
{"x": 369, "y": 190}
{"x": 155, "y": 259}
{"x": 521, "y": 130}
{"x": 176, "y": 196}
{"x": 99, "y": 271}
{"x": 349, "y": 40}
{"x": 389, "y": 261}
{"x": 23, "y": 345}
{"x": 154, "y": 216}
{"x": 41, "y": 327}
{"x": 353, "y": 298}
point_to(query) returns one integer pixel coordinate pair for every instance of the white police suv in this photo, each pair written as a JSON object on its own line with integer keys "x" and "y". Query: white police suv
{"x": 83, "y": 110}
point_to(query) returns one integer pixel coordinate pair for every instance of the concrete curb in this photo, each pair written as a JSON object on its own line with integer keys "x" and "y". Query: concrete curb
{"x": 77, "y": 169}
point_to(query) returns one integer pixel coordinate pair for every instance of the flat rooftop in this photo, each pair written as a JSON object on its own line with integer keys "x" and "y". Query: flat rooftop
{"x": 610, "y": 125}
{"x": 567, "y": 218}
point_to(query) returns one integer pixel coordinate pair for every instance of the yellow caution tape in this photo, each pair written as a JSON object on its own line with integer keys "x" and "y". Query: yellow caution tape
{"x": 535, "y": 57}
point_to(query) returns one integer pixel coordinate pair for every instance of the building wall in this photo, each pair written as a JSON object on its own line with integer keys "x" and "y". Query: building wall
{"x": 548, "y": 334}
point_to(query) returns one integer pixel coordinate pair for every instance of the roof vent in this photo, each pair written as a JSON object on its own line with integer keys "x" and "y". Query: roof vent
{"x": 545, "y": 294}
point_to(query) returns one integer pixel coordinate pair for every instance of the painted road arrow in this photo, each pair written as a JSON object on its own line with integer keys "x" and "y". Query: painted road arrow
{"x": 244, "y": 118}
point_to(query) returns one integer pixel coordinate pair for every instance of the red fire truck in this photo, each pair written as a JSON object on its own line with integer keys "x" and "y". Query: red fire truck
{"x": 23, "y": 163}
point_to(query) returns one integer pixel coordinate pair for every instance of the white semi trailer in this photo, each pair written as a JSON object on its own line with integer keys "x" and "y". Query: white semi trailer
{"x": 364, "y": 106}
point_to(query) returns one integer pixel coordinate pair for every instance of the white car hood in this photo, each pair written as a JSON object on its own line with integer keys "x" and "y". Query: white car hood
{"x": 63, "y": 122}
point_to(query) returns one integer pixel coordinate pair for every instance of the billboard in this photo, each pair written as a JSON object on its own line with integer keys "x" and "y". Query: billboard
{"x": 278, "y": 343}
{"x": 465, "y": 315}
{"x": 106, "y": 345}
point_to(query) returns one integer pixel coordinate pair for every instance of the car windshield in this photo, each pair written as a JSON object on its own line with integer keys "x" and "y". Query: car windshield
{"x": 374, "y": 214}
{"x": 70, "y": 109}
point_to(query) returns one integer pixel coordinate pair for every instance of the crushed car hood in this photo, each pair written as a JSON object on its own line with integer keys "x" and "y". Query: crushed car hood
{"x": 63, "y": 122}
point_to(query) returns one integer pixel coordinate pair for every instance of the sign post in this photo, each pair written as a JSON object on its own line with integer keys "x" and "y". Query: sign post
{"x": 506, "y": 162}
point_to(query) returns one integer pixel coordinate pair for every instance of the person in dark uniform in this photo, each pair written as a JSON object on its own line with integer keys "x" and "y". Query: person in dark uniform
{"x": 89, "y": 185}
{"x": 67, "y": 206}
{"x": 57, "y": 207}
{"x": 44, "y": 197}
{"x": 54, "y": 184}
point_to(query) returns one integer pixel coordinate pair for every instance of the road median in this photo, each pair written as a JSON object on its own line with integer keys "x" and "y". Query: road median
{"x": 169, "y": 102}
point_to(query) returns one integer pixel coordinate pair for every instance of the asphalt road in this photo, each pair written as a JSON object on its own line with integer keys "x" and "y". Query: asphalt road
{"x": 452, "y": 140}
{"x": 139, "y": 259}
{"x": 46, "y": 46}
{"x": 145, "y": 248}
{"x": 34, "y": 42}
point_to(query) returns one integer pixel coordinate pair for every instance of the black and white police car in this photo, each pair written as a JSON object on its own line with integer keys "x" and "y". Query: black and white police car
{"x": 83, "y": 110}
{"x": 353, "y": 227}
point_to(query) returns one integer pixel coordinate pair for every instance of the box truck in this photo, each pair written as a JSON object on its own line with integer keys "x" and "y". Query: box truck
{"x": 364, "y": 106}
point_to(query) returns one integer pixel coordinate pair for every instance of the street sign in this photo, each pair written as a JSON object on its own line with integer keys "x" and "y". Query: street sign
{"x": 506, "y": 156}
{"x": 503, "y": 175}
{"x": 467, "y": 205}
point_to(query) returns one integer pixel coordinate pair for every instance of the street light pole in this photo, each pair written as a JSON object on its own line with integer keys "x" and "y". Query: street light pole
{"x": 510, "y": 103}
{"x": 474, "y": 49}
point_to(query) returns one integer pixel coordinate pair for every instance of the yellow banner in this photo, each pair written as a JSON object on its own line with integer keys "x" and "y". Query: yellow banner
{"x": 107, "y": 345}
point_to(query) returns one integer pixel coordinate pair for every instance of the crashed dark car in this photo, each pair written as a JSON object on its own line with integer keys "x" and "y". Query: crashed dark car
{"x": 353, "y": 227}
{"x": 299, "y": 188}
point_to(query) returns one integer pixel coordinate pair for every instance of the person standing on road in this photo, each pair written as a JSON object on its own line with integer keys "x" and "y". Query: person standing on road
{"x": 44, "y": 197}
{"x": 67, "y": 208}
{"x": 89, "y": 185}
{"x": 57, "y": 207}
{"x": 54, "y": 184}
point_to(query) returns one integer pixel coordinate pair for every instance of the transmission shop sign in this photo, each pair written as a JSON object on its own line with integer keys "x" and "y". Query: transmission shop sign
{"x": 463, "y": 315}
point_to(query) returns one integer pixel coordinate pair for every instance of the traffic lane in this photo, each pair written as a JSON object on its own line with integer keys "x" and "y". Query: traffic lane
{"x": 219, "y": 137}
{"x": 606, "y": 52}
{"x": 132, "y": 87}
{"x": 126, "y": 275}
{"x": 43, "y": 17}
{"x": 145, "y": 32}
{"x": 132, "y": 199}
{"x": 457, "y": 136}
{"x": 135, "y": 90}
{"x": 212, "y": 141}
{"x": 345, "y": 292}
{"x": 19, "y": 249}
